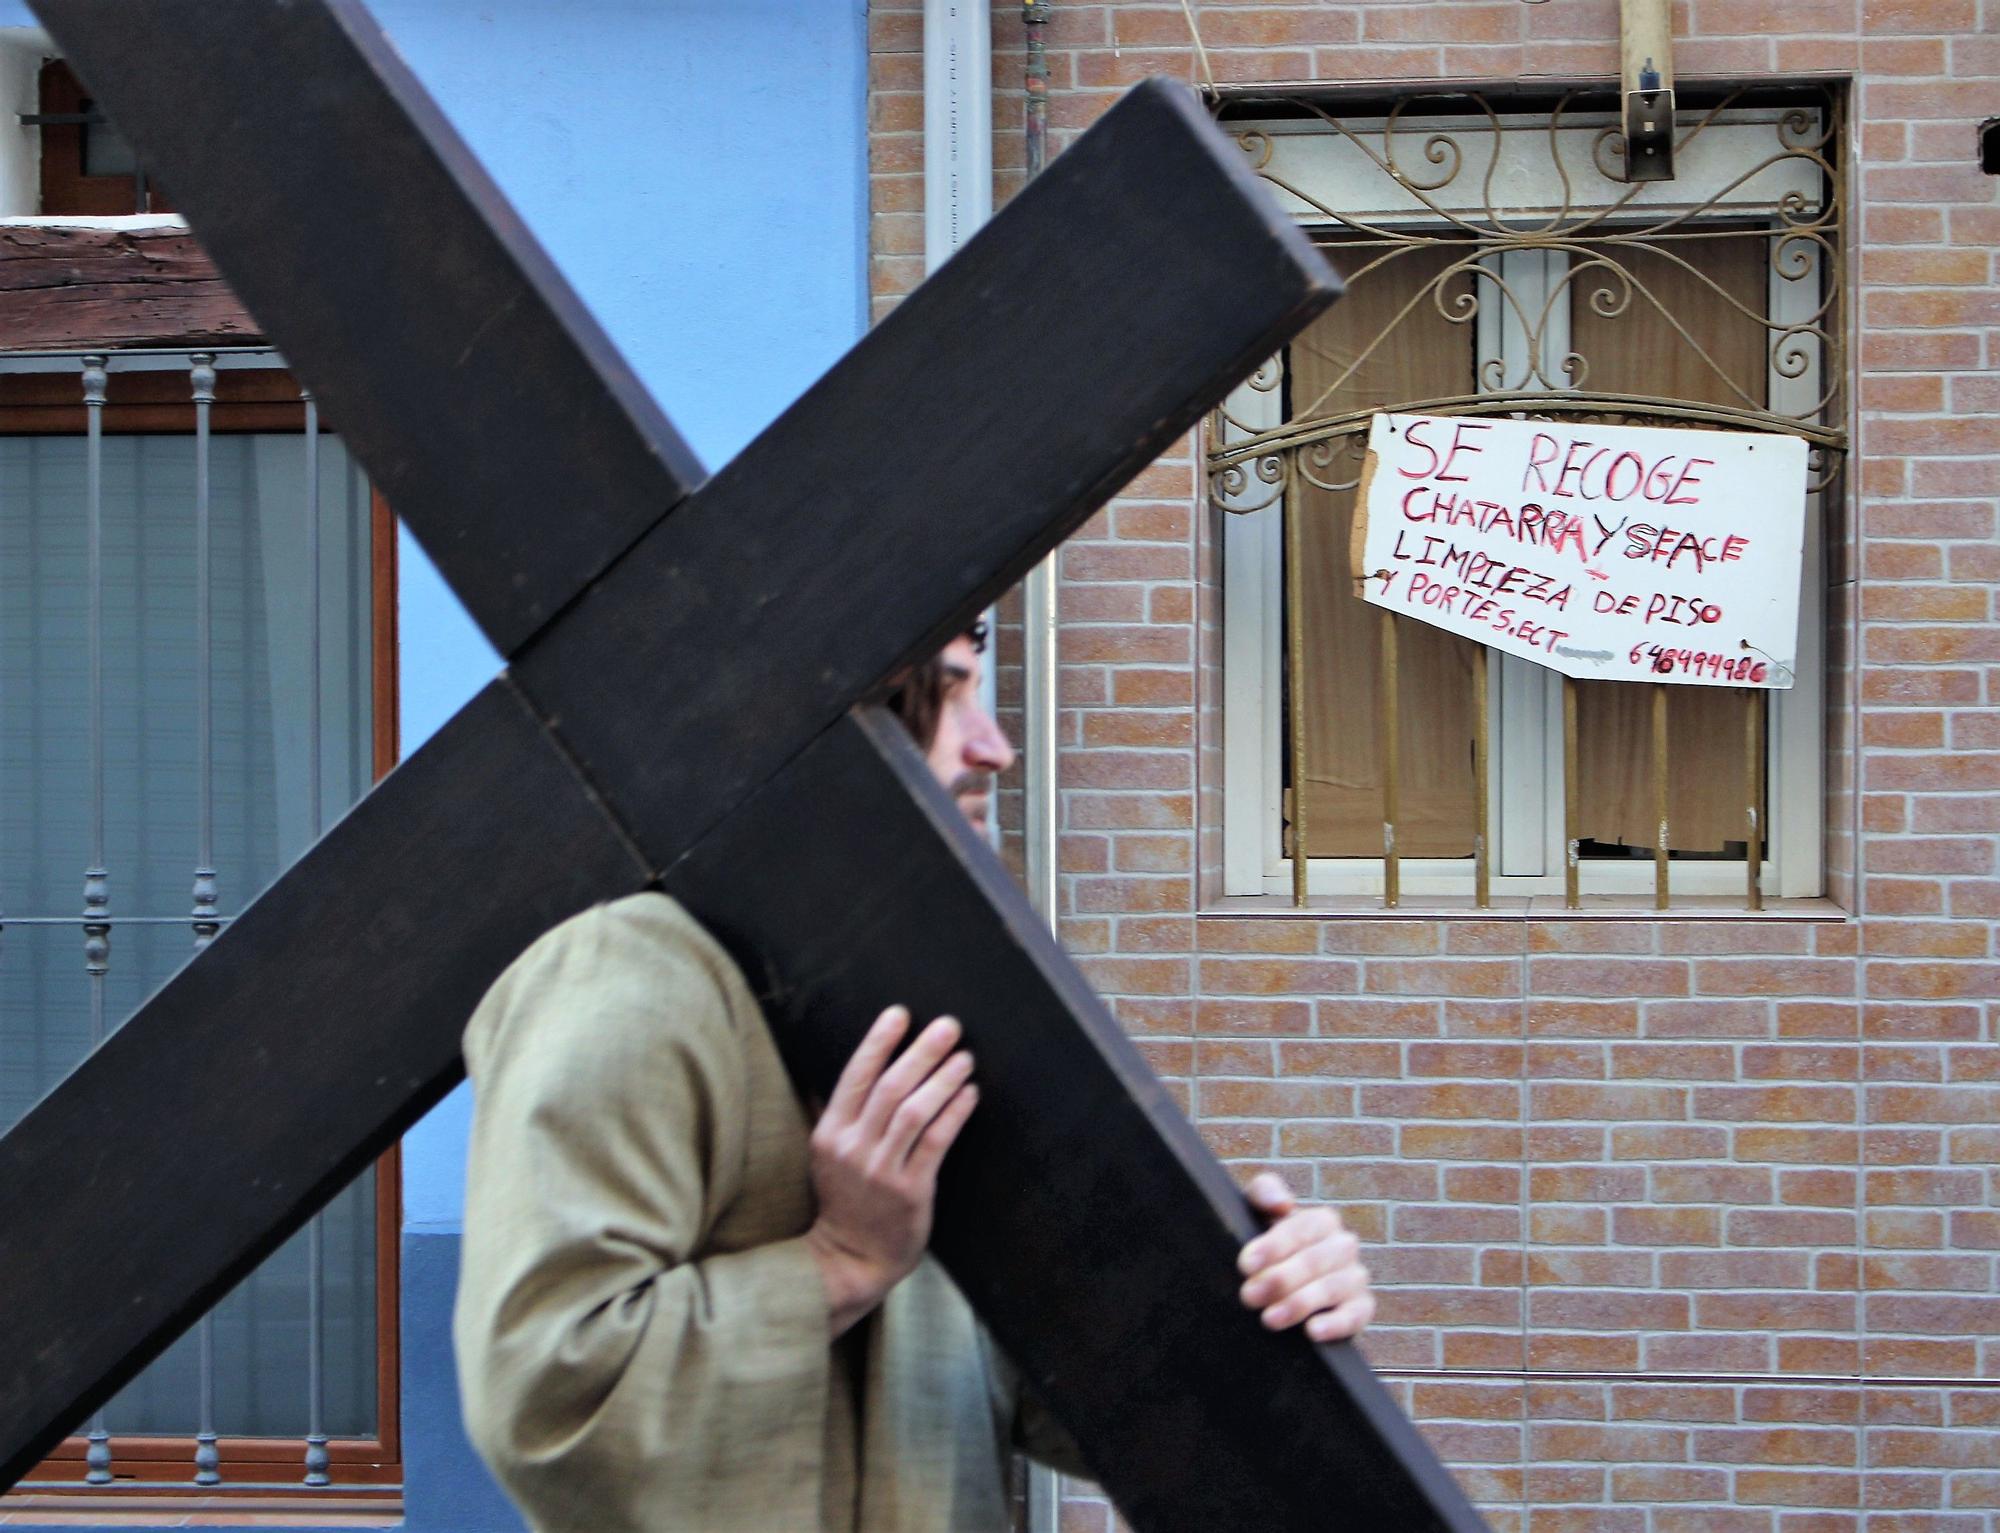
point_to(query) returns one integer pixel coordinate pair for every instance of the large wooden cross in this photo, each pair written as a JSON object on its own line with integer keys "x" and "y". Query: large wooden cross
{"x": 686, "y": 705}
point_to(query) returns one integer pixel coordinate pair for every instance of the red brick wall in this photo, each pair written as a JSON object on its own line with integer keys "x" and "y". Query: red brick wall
{"x": 1682, "y": 1226}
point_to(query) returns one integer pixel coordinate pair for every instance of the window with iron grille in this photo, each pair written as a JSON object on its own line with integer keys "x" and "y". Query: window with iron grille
{"x": 1497, "y": 265}
{"x": 196, "y": 648}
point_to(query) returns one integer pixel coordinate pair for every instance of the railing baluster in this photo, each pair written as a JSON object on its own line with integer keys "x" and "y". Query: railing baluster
{"x": 1660, "y": 794}
{"x": 1295, "y": 635}
{"x": 316, "y": 1454}
{"x": 96, "y": 879}
{"x": 1392, "y": 763}
{"x": 1482, "y": 889}
{"x": 1572, "y": 802}
{"x": 1755, "y": 702}
{"x": 201, "y": 379}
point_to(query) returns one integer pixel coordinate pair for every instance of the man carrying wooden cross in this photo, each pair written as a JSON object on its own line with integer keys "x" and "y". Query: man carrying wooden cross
{"x": 684, "y": 1306}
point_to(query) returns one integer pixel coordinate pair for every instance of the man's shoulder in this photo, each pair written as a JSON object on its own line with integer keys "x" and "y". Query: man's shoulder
{"x": 639, "y": 959}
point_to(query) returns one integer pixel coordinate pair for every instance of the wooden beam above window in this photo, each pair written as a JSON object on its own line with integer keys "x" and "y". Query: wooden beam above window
{"x": 78, "y": 287}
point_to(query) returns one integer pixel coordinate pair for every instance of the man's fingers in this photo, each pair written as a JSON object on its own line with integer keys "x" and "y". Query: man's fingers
{"x": 1346, "y": 1320}
{"x": 1270, "y": 1196}
{"x": 859, "y": 1074}
{"x": 1330, "y": 1252}
{"x": 939, "y": 1137}
{"x": 1288, "y": 1236}
{"x": 916, "y": 1110}
{"x": 1328, "y": 1290}
{"x": 912, "y": 1067}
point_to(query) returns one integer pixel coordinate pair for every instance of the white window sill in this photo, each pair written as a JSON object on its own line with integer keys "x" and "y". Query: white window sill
{"x": 1540, "y": 907}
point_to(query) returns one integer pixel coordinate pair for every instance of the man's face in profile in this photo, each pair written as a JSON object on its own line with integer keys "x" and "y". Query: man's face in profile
{"x": 969, "y": 746}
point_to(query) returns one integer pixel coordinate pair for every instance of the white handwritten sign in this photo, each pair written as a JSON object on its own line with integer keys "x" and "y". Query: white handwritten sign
{"x": 1620, "y": 553}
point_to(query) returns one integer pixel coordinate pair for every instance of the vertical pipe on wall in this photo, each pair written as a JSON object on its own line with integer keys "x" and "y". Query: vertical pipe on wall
{"x": 1755, "y": 703}
{"x": 1660, "y": 795}
{"x": 1392, "y": 767}
{"x": 1482, "y": 889}
{"x": 1039, "y": 595}
{"x": 96, "y": 878}
{"x": 1041, "y": 615}
{"x": 958, "y": 157}
{"x": 1295, "y": 698}
{"x": 1572, "y": 801}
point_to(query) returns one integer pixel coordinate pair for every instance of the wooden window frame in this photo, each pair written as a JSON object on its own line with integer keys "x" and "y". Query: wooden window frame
{"x": 65, "y": 190}
{"x": 247, "y": 400}
{"x": 1527, "y": 826}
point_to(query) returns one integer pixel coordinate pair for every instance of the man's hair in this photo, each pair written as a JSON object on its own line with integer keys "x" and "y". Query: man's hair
{"x": 919, "y": 701}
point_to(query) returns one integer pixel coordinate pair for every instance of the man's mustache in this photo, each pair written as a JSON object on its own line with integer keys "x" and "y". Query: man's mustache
{"x": 969, "y": 782}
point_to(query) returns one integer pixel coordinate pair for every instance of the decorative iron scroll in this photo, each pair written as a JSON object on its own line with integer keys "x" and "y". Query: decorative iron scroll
{"x": 1444, "y": 165}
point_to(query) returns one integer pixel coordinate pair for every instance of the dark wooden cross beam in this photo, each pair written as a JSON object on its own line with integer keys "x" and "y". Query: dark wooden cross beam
{"x": 686, "y": 705}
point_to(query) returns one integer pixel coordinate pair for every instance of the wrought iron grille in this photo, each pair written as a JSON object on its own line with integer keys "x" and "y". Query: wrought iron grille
{"x": 1515, "y": 223}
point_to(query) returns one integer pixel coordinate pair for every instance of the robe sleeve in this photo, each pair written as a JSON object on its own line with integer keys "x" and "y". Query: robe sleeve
{"x": 613, "y": 1375}
{"x": 1029, "y": 1426}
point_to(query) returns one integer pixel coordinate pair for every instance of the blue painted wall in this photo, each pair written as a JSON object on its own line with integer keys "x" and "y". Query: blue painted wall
{"x": 699, "y": 172}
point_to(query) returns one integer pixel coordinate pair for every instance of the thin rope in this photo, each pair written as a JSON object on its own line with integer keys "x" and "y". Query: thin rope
{"x": 1200, "y": 53}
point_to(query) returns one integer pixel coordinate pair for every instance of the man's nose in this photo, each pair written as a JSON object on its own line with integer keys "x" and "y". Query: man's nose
{"x": 986, "y": 744}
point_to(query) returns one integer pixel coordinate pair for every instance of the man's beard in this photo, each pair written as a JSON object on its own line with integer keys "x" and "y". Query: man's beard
{"x": 972, "y": 784}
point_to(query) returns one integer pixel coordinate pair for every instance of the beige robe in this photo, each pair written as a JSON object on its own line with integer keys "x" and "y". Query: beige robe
{"x": 642, "y": 1336}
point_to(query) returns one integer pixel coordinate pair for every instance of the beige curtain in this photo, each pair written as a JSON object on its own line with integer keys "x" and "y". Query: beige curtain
{"x": 1332, "y": 370}
{"x": 1639, "y": 351}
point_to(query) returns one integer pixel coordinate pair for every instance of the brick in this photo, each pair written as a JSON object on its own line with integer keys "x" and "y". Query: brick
{"x": 1372, "y": 1016}
{"x": 1277, "y": 976}
{"x": 1775, "y": 1487}
{"x": 1775, "y": 1312}
{"x": 1220, "y": 1015}
{"x": 1815, "y": 1061}
{"x": 1336, "y": 1139}
{"x": 1566, "y": 1225}
{"x": 1732, "y": 1269}
{"x": 1790, "y": 1227}
{"x": 1819, "y": 1019}
{"x": 1669, "y": 1141}
{"x": 1557, "y": 1017}
{"x": 1608, "y": 976}
{"x": 1274, "y": 1099}
{"x": 1933, "y": 980}
{"x": 1776, "y": 1104}
{"x": 1458, "y": 1099}
{"x": 1214, "y": 935}
{"x": 1820, "y": 1187}
{"x": 1340, "y": 1060}
{"x": 1670, "y": 1061}
{"x": 1461, "y": 1141}
{"x": 1667, "y": 1226}
{"x": 1933, "y": 1186}
{"x": 1149, "y": 687}
{"x": 1711, "y": 1184}
{"x": 1615, "y": 1103}
{"x": 1460, "y": 976}
{"x": 1586, "y": 1184}
{"x": 1773, "y": 976}
{"x": 1593, "y": 1310}
{"x": 1607, "y": 1444}
{"x": 1778, "y": 1445}
{"x": 1371, "y": 937}
{"x": 1708, "y": 1019}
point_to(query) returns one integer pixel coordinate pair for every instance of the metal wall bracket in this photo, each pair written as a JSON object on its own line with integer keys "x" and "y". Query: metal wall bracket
{"x": 1646, "y": 68}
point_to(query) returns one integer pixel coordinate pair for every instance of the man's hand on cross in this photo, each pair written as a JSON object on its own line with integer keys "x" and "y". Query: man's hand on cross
{"x": 875, "y": 1157}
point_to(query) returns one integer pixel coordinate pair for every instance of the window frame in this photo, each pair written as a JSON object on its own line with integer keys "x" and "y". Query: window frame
{"x": 1526, "y": 700}
{"x": 38, "y": 399}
